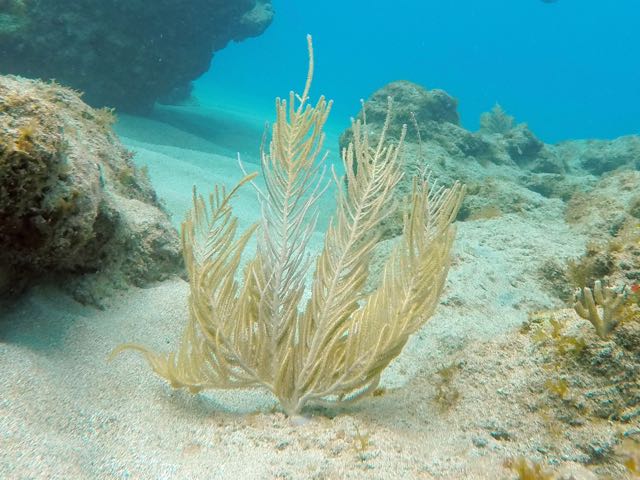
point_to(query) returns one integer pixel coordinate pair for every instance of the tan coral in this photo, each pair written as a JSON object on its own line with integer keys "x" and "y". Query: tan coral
{"x": 605, "y": 318}
{"x": 256, "y": 333}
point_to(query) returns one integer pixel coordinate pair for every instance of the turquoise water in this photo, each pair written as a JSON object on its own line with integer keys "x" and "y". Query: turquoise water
{"x": 569, "y": 69}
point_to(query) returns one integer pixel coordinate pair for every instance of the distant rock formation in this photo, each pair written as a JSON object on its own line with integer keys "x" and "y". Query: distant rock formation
{"x": 123, "y": 54}
{"x": 72, "y": 204}
{"x": 413, "y": 105}
{"x": 507, "y": 169}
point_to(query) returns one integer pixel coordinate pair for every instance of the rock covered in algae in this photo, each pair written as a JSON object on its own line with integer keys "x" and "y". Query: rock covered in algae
{"x": 72, "y": 203}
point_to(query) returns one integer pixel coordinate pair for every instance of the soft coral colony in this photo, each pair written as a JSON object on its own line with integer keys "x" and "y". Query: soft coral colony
{"x": 256, "y": 332}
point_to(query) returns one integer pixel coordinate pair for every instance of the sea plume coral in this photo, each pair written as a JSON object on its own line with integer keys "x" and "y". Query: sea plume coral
{"x": 256, "y": 332}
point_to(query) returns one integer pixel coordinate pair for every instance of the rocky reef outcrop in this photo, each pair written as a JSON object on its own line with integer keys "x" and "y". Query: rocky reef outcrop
{"x": 72, "y": 203}
{"x": 507, "y": 169}
{"x": 123, "y": 54}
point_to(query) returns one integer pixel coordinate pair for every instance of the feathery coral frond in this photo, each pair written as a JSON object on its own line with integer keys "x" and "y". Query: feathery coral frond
{"x": 255, "y": 332}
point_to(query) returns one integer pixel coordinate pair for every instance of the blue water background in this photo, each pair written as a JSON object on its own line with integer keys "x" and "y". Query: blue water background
{"x": 569, "y": 69}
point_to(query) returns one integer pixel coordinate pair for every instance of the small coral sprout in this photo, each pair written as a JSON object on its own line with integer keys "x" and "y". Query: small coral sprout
{"x": 528, "y": 470}
{"x": 361, "y": 443}
{"x": 600, "y": 306}
{"x": 629, "y": 454}
{"x": 496, "y": 121}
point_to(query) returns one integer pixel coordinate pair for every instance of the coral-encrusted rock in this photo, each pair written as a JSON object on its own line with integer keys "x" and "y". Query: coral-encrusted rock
{"x": 590, "y": 376}
{"x": 522, "y": 145}
{"x": 412, "y": 104}
{"x": 123, "y": 54}
{"x": 528, "y": 152}
{"x": 601, "y": 156}
{"x": 71, "y": 200}
{"x": 525, "y": 165}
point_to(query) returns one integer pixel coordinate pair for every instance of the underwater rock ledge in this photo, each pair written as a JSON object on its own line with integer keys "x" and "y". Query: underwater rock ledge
{"x": 72, "y": 204}
{"x": 146, "y": 49}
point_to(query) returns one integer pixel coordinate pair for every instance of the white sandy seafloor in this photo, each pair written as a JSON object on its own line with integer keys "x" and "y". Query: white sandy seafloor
{"x": 65, "y": 413}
